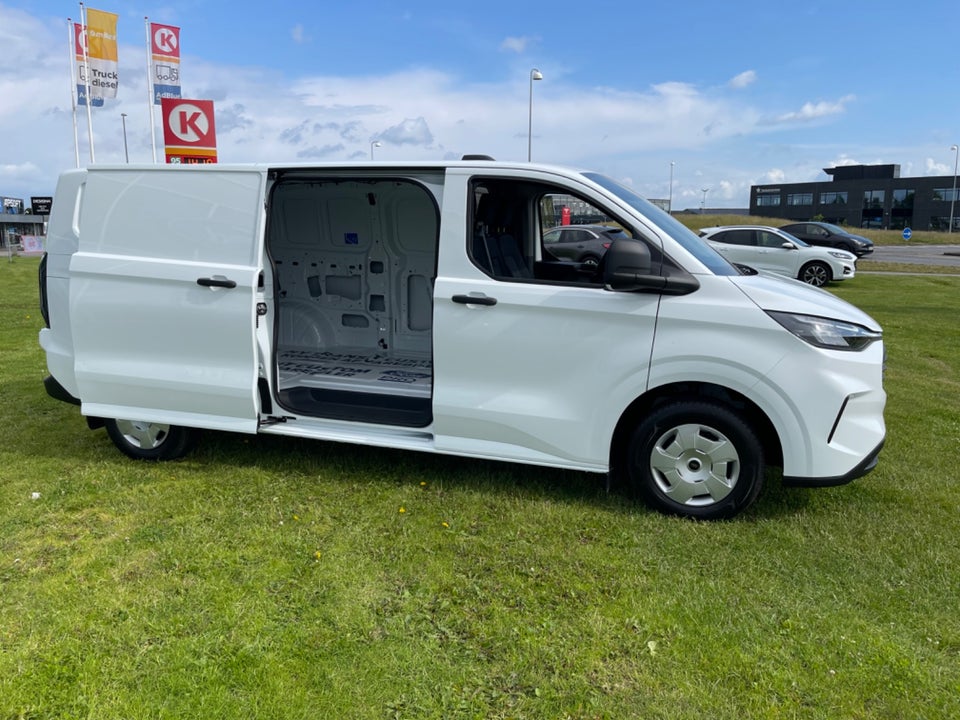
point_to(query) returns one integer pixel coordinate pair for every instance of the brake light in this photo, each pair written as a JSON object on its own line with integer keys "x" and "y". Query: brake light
{"x": 44, "y": 307}
{"x": 606, "y": 246}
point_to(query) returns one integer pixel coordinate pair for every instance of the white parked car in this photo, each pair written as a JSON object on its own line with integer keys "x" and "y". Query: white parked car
{"x": 776, "y": 251}
{"x": 415, "y": 305}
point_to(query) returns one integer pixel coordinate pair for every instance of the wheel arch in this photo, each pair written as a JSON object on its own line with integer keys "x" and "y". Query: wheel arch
{"x": 680, "y": 391}
{"x": 831, "y": 276}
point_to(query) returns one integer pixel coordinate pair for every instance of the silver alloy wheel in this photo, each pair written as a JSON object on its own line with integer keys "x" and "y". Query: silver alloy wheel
{"x": 695, "y": 465}
{"x": 143, "y": 435}
{"x": 816, "y": 274}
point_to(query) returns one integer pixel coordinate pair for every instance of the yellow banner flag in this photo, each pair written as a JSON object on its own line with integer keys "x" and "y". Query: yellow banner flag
{"x": 102, "y": 52}
{"x": 101, "y": 35}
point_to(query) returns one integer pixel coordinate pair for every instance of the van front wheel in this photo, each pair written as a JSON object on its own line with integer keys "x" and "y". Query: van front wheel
{"x": 697, "y": 459}
{"x": 151, "y": 441}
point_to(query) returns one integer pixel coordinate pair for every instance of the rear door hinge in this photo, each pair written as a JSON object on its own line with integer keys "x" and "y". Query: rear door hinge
{"x": 261, "y": 311}
{"x": 274, "y": 420}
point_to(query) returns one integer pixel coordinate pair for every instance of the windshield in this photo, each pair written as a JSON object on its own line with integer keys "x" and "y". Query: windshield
{"x": 668, "y": 224}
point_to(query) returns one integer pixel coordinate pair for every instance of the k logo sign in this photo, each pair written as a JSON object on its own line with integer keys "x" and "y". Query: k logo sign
{"x": 166, "y": 40}
{"x": 189, "y": 123}
{"x": 188, "y": 128}
{"x": 79, "y": 40}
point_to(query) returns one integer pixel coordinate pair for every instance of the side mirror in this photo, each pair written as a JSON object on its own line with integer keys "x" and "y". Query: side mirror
{"x": 626, "y": 267}
{"x": 788, "y": 246}
{"x": 624, "y": 263}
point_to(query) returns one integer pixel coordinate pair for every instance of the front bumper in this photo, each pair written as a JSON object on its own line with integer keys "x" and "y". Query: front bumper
{"x": 864, "y": 467}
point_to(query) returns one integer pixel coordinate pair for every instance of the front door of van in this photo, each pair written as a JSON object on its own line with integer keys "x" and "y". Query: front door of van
{"x": 163, "y": 297}
{"x": 533, "y": 359}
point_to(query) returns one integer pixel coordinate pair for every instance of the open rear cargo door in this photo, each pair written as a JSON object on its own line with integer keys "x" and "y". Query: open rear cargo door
{"x": 163, "y": 296}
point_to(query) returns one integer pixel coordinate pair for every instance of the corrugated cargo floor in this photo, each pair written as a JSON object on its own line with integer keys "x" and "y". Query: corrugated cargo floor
{"x": 356, "y": 370}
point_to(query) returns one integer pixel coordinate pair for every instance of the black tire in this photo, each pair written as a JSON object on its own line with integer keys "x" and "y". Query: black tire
{"x": 590, "y": 261}
{"x": 151, "y": 441}
{"x": 815, "y": 273}
{"x": 696, "y": 459}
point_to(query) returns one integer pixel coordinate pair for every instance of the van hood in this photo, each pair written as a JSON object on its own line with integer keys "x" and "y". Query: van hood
{"x": 770, "y": 292}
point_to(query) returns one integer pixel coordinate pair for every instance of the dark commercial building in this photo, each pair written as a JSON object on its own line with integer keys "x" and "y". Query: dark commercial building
{"x": 864, "y": 196}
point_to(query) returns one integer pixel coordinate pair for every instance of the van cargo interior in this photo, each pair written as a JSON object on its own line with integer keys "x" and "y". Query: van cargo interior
{"x": 354, "y": 267}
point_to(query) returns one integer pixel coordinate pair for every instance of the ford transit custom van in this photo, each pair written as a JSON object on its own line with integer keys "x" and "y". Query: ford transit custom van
{"x": 417, "y": 306}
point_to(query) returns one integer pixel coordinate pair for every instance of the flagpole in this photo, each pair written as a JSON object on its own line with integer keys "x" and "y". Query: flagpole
{"x": 71, "y": 40}
{"x": 86, "y": 80}
{"x": 150, "y": 91}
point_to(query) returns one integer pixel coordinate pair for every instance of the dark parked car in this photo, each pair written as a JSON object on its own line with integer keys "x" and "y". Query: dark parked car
{"x": 828, "y": 235}
{"x": 581, "y": 243}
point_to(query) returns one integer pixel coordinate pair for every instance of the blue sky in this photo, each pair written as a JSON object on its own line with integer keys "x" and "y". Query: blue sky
{"x": 733, "y": 94}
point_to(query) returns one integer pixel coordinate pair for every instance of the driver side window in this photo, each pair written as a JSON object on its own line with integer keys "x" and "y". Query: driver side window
{"x": 533, "y": 232}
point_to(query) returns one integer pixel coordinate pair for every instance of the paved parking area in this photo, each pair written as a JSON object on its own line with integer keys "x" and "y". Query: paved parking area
{"x": 948, "y": 255}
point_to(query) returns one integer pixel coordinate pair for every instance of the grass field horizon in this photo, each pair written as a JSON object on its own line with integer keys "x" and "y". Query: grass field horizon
{"x": 265, "y": 577}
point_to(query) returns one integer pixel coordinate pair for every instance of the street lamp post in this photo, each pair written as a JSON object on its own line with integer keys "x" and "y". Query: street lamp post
{"x": 953, "y": 198}
{"x": 374, "y": 144}
{"x": 670, "y": 201}
{"x": 123, "y": 120}
{"x": 703, "y": 203}
{"x": 534, "y": 75}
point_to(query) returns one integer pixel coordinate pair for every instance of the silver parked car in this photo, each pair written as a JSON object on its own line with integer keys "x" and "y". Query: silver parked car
{"x": 776, "y": 251}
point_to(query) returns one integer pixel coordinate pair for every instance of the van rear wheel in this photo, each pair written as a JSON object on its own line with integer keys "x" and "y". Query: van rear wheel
{"x": 151, "y": 441}
{"x": 696, "y": 459}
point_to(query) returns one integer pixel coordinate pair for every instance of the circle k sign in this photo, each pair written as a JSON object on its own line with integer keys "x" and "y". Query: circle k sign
{"x": 166, "y": 40}
{"x": 188, "y": 123}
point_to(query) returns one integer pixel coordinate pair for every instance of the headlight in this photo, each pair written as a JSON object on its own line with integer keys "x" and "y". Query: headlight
{"x": 826, "y": 332}
{"x": 840, "y": 254}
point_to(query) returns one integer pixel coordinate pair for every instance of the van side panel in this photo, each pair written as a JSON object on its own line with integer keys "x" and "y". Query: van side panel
{"x": 150, "y": 341}
{"x": 542, "y": 372}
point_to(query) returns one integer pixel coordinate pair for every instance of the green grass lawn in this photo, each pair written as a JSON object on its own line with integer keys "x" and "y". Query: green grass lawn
{"x": 267, "y": 577}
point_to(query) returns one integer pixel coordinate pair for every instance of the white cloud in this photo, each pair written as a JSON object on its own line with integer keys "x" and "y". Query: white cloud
{"x": 409, "y": 132}
{"x": 844, "y": 161}
{"x": 748, "y": 77}
{"x": 516, "y": 44}
{"x": 813, "y": 111}
{"x": 932, "y": 167}
{"x": 298, "y": 35}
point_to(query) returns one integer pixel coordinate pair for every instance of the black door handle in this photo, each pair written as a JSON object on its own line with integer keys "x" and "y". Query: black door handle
{"x": 216, "y": 282}
{"x": 474, "y": 300}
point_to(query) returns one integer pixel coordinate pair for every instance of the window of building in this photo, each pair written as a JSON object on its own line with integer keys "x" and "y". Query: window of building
{"x": 947, "y": 194}
{"x": 903, "y": 198}
{"x": 873, "y": 198}
{"x": 942, "y": 222}
{"x": 800, "y": 198}
{"x": 768, "y": 200}
{"x": 833, "y": 198}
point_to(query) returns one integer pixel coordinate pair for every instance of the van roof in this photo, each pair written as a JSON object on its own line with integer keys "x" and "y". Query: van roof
{"x": 349, "y": 165}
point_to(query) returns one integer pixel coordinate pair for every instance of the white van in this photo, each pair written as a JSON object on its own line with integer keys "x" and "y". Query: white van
{"x": 415, "y": 306}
